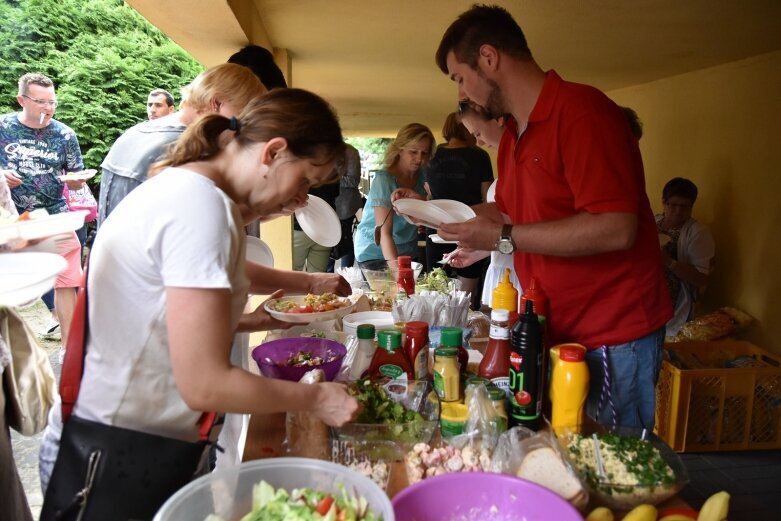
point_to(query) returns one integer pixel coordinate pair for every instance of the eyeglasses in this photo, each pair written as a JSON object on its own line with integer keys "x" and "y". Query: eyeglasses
{"x": 42, "y": 102}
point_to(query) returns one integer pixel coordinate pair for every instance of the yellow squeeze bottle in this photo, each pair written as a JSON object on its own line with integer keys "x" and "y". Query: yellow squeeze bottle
{"x": 504, "y": 295}
{"x": 568, "y": 387}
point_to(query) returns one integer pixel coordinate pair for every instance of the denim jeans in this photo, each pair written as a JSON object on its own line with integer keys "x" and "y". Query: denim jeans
{"x": 634, "y": 368}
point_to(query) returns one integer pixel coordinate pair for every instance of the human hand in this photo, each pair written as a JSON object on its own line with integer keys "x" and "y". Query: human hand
{"x": 329, "y": 283}
{"x": 334, "y": 405}
{"x": 406, "y": 193}
{"x": 463, "y": 257}
{"x": 479, "y": 233}
{"x": 12, "y": 178}
{"x": 260, "y": 320}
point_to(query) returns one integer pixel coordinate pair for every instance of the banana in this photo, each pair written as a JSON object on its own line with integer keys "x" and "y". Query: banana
{"x": 642, "y": 513}
{"x": 600, "y": 514}
{"x": 715, "y": 507}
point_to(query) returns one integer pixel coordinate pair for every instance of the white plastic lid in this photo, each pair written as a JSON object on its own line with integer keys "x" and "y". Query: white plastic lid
{"x": 500, "y": 315}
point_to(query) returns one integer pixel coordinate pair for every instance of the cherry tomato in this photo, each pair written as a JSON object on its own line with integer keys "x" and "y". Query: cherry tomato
{"x": 324, "y": 505}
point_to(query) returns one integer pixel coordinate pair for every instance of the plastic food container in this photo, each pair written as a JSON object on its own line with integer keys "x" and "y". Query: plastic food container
{"x": 272, "y": 353}
{"x": 621, "y": 495}
{"x": 480, "y": 496}
{"x": 228, "y": 492}
{"x": 381, "y": 281}
{"x": 417, "y": 395}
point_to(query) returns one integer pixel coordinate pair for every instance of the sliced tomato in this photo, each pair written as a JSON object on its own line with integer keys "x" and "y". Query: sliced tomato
{"x": 301, "y": 309}
{"x": 25, "y": 216}
{"x": 324, "y": 505}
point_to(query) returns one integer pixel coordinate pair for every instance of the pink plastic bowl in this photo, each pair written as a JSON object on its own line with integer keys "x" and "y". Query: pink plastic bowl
{"x": 281, "y": 349}
{"x": 480, "y": 496}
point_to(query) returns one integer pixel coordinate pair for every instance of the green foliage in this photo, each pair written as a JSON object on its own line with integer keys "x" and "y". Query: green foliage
{"x": 103, "y": 57}
{"x": 372, "y": 150}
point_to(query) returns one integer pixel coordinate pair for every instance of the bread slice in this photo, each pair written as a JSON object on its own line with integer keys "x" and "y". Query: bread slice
{"x": 544, "y": 467}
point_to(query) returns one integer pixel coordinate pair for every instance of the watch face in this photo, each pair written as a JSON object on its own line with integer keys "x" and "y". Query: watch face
{"x": 505, "y": 246}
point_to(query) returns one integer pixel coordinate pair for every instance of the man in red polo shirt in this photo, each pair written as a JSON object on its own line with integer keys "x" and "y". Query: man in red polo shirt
{"x": 571, "y": 206}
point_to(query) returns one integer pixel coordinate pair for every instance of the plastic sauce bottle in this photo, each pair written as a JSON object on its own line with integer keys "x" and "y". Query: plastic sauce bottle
{"x": 447, "y": 377}
{"x": 405, "y": 278}
{"x": 495, "y": 365}
{"x": 364, "y": 352}
{"x": 453, "y": 337}
{"x": 416, "y": 347}
{"x": 568, "y": 387}
{"x": 504, "y": 295}
{"x": 389, "y": 360}
{"x": 536, "y": 295}
{"x": 526, "y": 367}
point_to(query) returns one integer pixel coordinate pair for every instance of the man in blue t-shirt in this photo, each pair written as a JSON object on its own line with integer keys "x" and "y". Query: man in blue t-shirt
{"x": 34, "y": 150}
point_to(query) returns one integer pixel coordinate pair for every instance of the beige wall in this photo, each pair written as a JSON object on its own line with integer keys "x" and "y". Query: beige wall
{"x": 720, "y": 127}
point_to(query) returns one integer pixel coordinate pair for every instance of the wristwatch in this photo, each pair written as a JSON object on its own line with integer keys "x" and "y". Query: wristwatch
{"x": 505, "y": 243}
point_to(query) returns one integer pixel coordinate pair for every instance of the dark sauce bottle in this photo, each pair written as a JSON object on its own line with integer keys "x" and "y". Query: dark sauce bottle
{"x": 526, "y": 366}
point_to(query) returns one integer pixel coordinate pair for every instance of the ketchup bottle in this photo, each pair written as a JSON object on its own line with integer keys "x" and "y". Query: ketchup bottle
{"x": 405, "y": 278}
{"x": 389, "y": 360}
{"x": 535, "y": 294}
{"x": 416, "y": 347}
{"x": 495, "y": 365}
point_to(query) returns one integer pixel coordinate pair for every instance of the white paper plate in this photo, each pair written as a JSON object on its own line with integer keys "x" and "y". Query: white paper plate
{"x": 306, "y": 318}
{"x": 43, "y": 226}
{"x": 27, "y": 276}
{"x": 435, "y": 238}
{"x": 259, "y": 252}
{"x": 422, "y": 211}
{"x": 320, "y": 222}
{"x": 78, "y": 176}
{"x": 458, "y": 211}
{"x": 490, "y": 196}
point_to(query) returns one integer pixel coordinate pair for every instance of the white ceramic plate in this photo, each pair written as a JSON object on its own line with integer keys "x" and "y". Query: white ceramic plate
{"x": 306, "y": 318}
{"x": 259, "y": 252}
{"x": 78, "y": 176}
{"x": 422, "y": 211}
{"x": 43, "y": 226}
{"x": 458, "y": 211}
{"x": 320, "y": 222}
{"x": 435, "y": 238}
{"x": 27, "y": 276}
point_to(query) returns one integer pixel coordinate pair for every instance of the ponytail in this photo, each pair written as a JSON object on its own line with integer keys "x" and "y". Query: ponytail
{"x": 201, "y": 140}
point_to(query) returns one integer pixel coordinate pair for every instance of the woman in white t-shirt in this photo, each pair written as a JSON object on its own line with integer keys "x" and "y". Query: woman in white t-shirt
{"x": 167, "y": 280}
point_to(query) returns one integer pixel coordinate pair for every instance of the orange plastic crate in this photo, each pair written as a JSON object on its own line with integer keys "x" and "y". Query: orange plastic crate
{"x": 713, "y": 408}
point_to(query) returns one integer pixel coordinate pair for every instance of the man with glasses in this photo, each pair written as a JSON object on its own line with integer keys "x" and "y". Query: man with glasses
{"x": 35, "y": 149}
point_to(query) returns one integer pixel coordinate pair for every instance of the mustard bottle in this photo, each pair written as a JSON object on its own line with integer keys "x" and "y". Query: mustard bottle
{"x": 504, "y": 295}
{"x": 568, "y": 387}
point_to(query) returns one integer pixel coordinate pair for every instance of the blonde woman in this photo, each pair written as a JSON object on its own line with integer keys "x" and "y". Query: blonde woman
{"x": 170, "y": 263}
{"x": 224, "y": 89}
{"x": 404, "y": 158}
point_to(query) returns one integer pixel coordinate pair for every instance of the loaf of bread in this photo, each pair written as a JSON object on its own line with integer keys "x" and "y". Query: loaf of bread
{"x": 306, "y": 435}
{"x": 545, "y": 467}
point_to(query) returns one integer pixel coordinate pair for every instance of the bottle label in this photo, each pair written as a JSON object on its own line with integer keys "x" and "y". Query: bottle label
{"x": 503, "y": 383}
{"x": 500, "y": 332}
{"x": 524, "y": 406}
{"x": 393, "y": 371}
{"x": 420, "y": 364}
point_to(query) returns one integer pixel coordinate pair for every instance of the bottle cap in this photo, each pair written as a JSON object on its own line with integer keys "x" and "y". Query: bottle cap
{"x": 389, "y": 339}
{"x": 404, "y": 261}
{"x": 365, "y": 331}
{"x": 451, "y": 337}
{"x": 504, "y": 295}
{"x": 500, "y": 315}
{"x": 572, "y": 353}
{"x": 536, "y": 295}
{"x": 446, "y": 351}
{"x": 416, "y": 327}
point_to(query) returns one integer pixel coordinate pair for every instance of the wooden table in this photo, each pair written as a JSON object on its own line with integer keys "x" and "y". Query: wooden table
{"x": 267, "y": 432}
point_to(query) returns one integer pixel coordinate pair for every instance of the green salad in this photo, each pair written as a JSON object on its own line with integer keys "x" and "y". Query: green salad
{"x": 304, "y": 504}
{"x": 435, "y": 280}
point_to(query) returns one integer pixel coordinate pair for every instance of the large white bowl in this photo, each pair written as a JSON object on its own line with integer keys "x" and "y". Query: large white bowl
{"x": 228, "y": 492}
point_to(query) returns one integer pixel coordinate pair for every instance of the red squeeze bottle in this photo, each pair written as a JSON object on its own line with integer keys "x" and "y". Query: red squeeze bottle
{"x": 405, "y": 278}
{"x": 537, "y": 296}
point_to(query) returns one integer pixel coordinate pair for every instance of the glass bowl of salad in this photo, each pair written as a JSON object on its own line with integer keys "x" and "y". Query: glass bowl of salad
{"x": 292, "y": 358}
{"x": 288, "y": 488}
{"x": 404, "y": 412}
{"x": 637, "y": 466}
